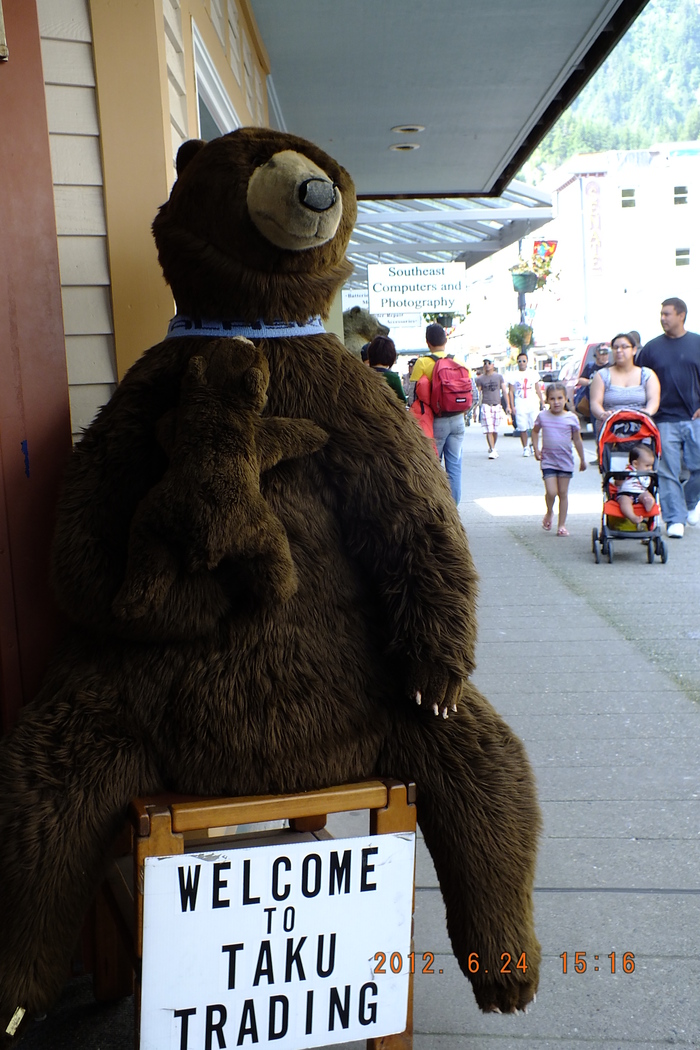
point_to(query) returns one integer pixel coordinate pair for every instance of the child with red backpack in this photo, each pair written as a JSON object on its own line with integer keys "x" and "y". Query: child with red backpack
{"x": 450, "y": 399}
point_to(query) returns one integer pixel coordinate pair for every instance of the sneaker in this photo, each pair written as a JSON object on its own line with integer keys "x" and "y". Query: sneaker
{"x": 493, "y": 454}
{"x": 693, "y": 515}
{"x": 526, "y": 452}
{"x": 675, "y": 531}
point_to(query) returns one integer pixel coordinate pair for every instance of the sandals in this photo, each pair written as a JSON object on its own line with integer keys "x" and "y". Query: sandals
{"x": 562, "y": 531}
{"x": 546, "y": 525}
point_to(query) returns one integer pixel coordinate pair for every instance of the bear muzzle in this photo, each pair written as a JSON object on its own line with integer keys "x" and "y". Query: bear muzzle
{"x": 293, "y": 202}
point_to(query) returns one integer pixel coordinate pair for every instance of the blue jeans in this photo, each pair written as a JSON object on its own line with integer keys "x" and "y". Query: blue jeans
{"x": 449, "y": 438}
{"x": 680, "y": 446}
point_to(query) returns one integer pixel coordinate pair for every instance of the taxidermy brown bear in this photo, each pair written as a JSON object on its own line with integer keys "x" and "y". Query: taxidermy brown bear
{"x": 213, "y": 689}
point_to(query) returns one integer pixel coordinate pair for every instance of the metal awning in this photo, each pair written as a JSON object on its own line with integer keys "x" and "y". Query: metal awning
{"x": 457, "y": 229}
{"x": 475, "y": 86}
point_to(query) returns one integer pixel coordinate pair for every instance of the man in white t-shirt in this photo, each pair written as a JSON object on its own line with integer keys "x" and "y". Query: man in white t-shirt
{"x": 525, "y": 399}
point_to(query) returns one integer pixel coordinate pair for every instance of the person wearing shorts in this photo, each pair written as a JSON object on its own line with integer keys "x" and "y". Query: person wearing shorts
{"x": 559, "y": 430}
{"x": 491, "y": 386}
{"x": 525, "y": 400}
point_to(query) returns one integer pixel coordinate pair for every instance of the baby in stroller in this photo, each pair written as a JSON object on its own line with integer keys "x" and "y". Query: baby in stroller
{"x": 629, "y": 446}
{"x": 634, "y": 489}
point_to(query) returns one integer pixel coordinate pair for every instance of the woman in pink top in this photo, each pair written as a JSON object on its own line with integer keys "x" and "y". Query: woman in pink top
{"x": 559, "y": 429}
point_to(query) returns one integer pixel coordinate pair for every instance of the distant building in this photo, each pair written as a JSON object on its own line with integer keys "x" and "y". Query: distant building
{"x": 628, "y": 230}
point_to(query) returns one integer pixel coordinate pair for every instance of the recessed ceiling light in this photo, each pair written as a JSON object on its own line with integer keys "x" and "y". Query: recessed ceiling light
{"x": 403, "y": 147}
{"x": 408, "y": 129}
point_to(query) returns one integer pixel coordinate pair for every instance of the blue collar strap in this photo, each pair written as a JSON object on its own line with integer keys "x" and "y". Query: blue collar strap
{"x": 181, "y": 324}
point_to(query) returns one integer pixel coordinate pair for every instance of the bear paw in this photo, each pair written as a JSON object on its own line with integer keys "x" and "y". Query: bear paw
{"x": 498, "y": 999}
{"x": 435, "y": 688}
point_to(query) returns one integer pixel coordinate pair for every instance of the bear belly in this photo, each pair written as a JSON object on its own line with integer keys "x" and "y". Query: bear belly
{"x": 284, "y": 697}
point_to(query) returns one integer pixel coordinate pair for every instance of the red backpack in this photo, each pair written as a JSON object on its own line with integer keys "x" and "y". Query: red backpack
{"x": 451, "y": 387}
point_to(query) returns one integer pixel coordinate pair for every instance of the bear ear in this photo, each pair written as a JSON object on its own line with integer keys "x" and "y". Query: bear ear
{"x": 186, "y": 152}
{"x": 355, "y": 311}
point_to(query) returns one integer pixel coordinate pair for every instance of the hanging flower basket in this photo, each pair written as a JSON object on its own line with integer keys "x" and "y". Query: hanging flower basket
{"x": 524, "y": 282}
{"x": 519, "y": 335}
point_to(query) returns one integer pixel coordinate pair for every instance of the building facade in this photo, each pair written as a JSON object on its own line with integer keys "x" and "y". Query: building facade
{"x": 628, "y": 230}
{"x": 96, "y": 97}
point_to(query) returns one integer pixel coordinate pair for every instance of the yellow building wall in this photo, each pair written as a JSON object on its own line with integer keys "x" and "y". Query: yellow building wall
{"x": 147, "y": 104}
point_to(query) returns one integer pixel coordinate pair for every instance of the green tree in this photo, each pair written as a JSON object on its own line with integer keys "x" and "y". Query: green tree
{"x": 648, "y": 90}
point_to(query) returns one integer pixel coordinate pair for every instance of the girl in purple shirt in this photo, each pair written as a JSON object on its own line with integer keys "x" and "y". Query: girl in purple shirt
{"x": 558, "y": 428}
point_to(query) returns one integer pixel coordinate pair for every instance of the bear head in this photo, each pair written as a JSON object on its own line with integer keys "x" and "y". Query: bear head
{"x": 256, "y": 227}
{"x": 360, "y": 327}
{"x": 236, "y": 369}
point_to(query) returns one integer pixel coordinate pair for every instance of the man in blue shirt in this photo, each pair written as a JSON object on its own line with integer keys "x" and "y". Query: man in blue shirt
{"x": 675, "y": 357}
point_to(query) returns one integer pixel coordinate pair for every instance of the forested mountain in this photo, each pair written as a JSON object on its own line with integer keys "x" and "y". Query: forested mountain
{"x": 647, "y": 91}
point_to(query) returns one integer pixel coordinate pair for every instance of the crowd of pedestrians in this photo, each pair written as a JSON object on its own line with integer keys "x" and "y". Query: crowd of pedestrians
{"x": 660, "y": 379}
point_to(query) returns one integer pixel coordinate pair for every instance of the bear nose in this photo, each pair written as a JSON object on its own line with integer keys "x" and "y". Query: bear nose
{"x": 317, "y": 194}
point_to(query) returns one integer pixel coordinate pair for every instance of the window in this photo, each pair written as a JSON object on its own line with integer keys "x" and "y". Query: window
{"x": 682, "y": 256}
{"x": 628, "y": 200}
{"x": 216, "y": 114}
{"x": 680, "y": 194}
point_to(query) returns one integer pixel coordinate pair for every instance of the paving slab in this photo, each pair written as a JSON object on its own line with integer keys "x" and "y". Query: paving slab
{"x": 588, "y": 920}
{"x": 669, "y": 819}
{"x": 598, "y": 783}
{"x": 595, "y": 1007}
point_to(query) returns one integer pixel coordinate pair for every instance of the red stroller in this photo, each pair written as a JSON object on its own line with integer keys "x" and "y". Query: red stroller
{"x": 620, "y": 432}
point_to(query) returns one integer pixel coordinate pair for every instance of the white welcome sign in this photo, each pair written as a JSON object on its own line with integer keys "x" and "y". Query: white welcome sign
{"x": 277, "y": 946}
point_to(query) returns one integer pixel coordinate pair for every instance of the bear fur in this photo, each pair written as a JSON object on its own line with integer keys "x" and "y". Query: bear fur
{"x": 208, "y": 504}
{"x": 214, "y": 690}
{"x": 360, "y": 327}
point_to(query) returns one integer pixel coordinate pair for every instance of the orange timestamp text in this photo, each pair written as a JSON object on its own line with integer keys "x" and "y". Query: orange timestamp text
{"x": 580, "y": 964}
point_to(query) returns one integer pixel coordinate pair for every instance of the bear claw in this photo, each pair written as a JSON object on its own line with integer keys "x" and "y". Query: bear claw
{"x": 15, "y": 1021}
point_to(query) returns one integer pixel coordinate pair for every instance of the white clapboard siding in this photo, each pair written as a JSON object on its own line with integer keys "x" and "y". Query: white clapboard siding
{"x": 177, "y": 80}
{"x": 83, "y": 261}
{"x": 68, "y": 62}
{"x": 86, "y": 310}
{"x": 173, "y": 22}
{"x": 178, "y": 114}
{"x": 85, "y": 402}
{"x": 234, "y": 40}
{"x": 90, "y": 359}
{"x": 80, "y": 211}
{"x": 71, "y": 105}
{"x": 217, "y": 13}
{"x": 64, "y": 20}
{"x": 71, "y": 110}
{"x": 76, "y": 160}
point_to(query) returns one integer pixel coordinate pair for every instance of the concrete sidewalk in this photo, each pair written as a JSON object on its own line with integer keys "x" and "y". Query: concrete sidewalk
{"x": 597, "y": 667}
